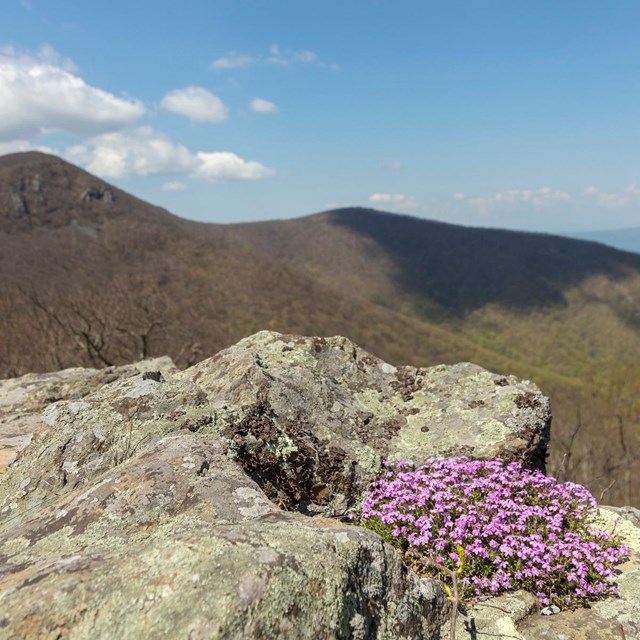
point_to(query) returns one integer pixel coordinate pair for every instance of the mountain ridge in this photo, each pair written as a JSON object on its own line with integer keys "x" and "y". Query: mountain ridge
{"x": 42, "y": 190}
{"x": 488, "y": 253}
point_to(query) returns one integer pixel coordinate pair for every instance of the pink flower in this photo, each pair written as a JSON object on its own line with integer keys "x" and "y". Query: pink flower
{"x": 518, "y": 528}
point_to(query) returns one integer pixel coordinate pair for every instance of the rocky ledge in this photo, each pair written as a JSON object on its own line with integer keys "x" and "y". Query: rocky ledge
{"x": 147, "y": 502}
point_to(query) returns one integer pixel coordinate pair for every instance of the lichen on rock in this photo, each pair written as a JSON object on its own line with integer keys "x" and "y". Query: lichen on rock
{"x": 208, "y": 503}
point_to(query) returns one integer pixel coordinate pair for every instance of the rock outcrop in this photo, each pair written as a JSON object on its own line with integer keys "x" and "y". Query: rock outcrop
{"x": 143, "y": 501}
{"x": 22, "y": 400}
{"x": 308, "y": 419}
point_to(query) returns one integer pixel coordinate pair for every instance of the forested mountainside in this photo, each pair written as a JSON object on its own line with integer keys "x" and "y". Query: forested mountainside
{"x": 93, "y": 276}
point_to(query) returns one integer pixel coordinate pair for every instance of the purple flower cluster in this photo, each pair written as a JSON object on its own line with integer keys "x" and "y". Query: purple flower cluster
{"x": 509, "y": 527}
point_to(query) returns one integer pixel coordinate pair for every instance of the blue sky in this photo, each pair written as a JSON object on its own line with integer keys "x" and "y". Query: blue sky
{"x": 520, "y": 114}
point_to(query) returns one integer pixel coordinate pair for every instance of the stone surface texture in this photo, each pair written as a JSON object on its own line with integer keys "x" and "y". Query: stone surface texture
{"x": 143, "y": 501}
{"x": 23, "y": 399}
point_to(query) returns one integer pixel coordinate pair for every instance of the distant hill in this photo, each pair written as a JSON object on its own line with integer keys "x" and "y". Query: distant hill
{"x": 624, "y": 239}
{"x": 457, "y": 268}
{"x": 92, "y": 276}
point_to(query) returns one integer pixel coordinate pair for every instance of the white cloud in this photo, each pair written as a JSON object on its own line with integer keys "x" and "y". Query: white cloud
{"x": 233, "y": 60}
{"x": 49, "y": 55}
{"x": 219, "y": 166}
{"x": 40, "y": 94}
{"x": 174, "y": 186}
{"x": 538, "y": 198}
{"x": 395, "y": 200}
{"x": 18, "y": 146}
{"x": 275, "y": 56}
{"x": 545, "y": 208}
{"x": 305, "y": 56}
{"x": 197, "y": 104}
{"x": 142, "y": 152}
{"x": 288, "y": 57}
{"x": 614, "y": 199}
{"x": 395, "y": 165}
{"x": 263, "y": 106}
{"x": 145, "y": 151}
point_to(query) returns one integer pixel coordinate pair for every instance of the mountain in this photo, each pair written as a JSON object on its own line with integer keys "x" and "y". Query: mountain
{"x": 624, "y": 239}
{"x": 92, "y": 276}
{"x": 459, "y": 269}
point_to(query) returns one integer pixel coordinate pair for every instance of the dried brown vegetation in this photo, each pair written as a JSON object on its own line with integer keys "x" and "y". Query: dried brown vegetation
{"x": 91, "y": 276}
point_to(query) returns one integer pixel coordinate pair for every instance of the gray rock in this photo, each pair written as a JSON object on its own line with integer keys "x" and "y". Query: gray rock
{"x": 101, "y": 195}
{"x": 496, "y": 619}
{"x": 177, "y": 542}
{"x": 309, "y": 419}
{"x": 206, "y": 503}
{"x": 23, "y": 399}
